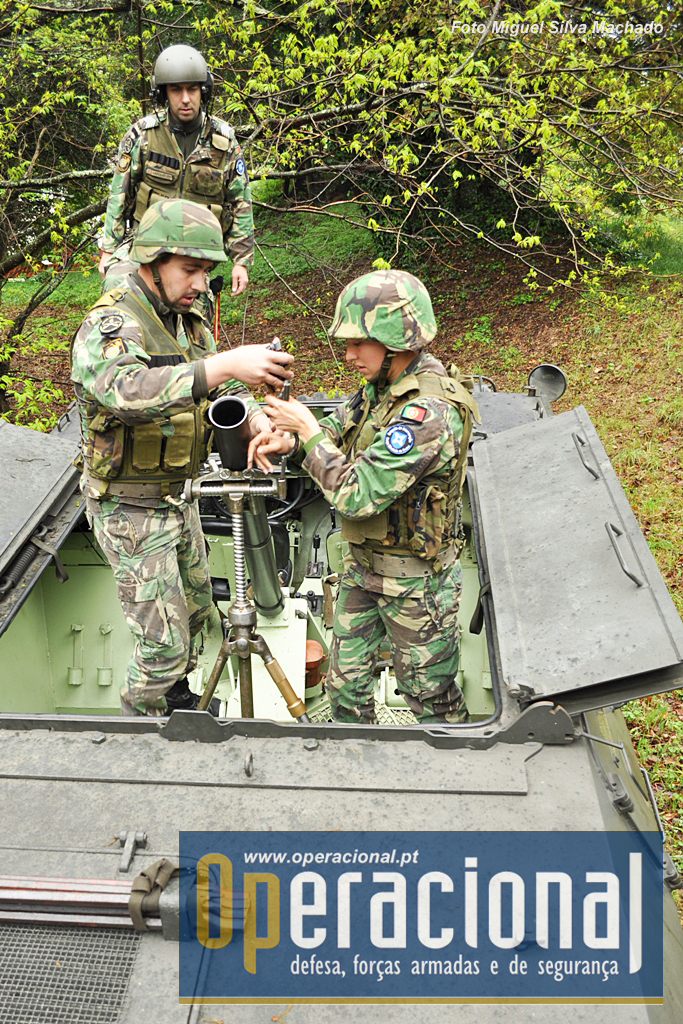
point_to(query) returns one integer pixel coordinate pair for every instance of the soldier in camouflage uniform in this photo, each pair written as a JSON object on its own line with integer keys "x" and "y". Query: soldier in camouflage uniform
{"x": 144, "y": 368}
{"x": 179, "y": 151}
{"x": 392, "y": 461}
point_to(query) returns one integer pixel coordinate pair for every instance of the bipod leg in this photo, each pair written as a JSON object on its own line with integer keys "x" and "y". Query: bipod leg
{"x": 243, "y": 648}
{"x": 243, "y": 638}
{"x": 295, "y": 705}
{"x": 224, "y": 653}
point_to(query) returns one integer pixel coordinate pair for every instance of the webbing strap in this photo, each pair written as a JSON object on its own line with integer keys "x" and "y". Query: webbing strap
{"x": 146, "y": 890}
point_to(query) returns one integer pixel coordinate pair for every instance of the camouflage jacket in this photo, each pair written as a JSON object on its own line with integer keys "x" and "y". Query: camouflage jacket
{"x": 150, "y": 166}
{"x": 392, "y": 465}
{"x": 141, "y": 393}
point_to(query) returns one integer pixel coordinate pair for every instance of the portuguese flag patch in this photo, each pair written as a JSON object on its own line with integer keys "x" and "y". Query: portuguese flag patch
{"x": 416, "y": 413}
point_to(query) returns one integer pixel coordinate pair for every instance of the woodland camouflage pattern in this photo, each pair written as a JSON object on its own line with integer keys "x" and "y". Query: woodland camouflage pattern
{"x": 115, "y": 383}
{"x": 162, "y": 578}
{"x": 232, "y": 187}
{"x": 422, "y": 629}
{"x": 153, "y": 542}
{"x": 418, "y": 613}
{"x": 389, "y": 306}
{"x": 112, "y": 372}
{"x": 373, "y": 478}
{"x": 181, "y": 228}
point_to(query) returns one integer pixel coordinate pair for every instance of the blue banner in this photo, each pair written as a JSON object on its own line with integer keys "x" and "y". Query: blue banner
{"x": 420, "y": 916}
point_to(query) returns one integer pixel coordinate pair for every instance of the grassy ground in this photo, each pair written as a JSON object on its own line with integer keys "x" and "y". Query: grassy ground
{"x": 622, "y": 353}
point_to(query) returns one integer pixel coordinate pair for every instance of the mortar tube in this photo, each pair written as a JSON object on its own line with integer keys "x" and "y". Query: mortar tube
{"x": 231, "y": 430}
{"x": 259, "y": 552}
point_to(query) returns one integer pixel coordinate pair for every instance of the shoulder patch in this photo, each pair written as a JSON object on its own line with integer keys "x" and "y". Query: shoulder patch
{"x": 399, "y": 439}
{"x": 123, "y": 163}
{"x": 113, "y": 347}
{"x": 239, "y": 166}
{"x": 130, "y": 138}
{"x": 111, "y": 323}
{"x": 413, "y": 412}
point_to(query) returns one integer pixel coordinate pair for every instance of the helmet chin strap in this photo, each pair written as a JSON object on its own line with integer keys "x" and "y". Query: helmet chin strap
{"x": 382, "y": 376}
{"x": 160, "y": 288}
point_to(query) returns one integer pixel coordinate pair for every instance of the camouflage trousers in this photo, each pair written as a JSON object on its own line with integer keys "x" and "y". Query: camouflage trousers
{"x": 422, "y": 629}
{"x": 162, "y": 576}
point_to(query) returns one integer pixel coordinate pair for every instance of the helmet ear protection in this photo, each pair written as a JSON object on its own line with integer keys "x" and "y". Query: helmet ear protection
{"x": 177, "y": 64}
{"x": 207, "y": 87}
{"x": 157, "y": 93}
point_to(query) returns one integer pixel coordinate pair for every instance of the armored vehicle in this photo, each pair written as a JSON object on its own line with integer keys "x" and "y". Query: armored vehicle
{"x": 564, "y": 618}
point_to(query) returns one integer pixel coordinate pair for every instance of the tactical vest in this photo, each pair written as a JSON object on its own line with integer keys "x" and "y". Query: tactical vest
{"x": 155, "y": 453}
{"x": 424, "y": 521}
{"x": 166, "y": 175}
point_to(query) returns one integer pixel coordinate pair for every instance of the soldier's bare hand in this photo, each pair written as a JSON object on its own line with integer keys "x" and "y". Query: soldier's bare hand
{"x": 266, "y": 443}
{"x": 240, "y": 280}
{"x": 293, "y": 416}
{"x": 102, "y": 265}
{"x": 253, "y": 365}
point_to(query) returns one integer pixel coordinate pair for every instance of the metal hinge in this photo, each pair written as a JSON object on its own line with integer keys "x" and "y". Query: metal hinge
{"x": 620, "y": 795}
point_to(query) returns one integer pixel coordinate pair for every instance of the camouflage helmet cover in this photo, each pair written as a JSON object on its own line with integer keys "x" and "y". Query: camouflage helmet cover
{"x": 389, "y": 306}
{"x": 179, "y": 228}
{"x": 180, "y": 63}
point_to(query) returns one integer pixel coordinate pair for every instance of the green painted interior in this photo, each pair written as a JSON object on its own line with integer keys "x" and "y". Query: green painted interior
{"x": 68, "y": 646}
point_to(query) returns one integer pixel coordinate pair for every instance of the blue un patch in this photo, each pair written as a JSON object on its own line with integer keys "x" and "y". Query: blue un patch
{"x": 239, "y": 166}
{"x": 399, "y": 439}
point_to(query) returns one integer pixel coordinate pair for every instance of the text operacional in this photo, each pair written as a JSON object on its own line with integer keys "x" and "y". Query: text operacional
{"x": 341, "y": 916}
{"x": 500, "y": 905}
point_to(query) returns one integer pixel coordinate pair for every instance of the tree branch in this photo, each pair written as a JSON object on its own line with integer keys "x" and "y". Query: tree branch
{"x": 37, "y": 184}
{"x": 16, "y": 258}
{"x": 303, "y": 303}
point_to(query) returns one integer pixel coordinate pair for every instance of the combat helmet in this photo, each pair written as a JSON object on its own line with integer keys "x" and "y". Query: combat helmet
{"x": 388, "y": 306}
{"x": 178, "y": 227}
{"x": 177, "y": 64}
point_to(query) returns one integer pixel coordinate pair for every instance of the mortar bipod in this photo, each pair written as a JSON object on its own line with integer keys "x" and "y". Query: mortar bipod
{"x": 241, "y": 638}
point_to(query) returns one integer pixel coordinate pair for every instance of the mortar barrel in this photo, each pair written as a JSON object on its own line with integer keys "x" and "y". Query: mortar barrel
{"x": 259, "y": 552}
{"x": 228, "y": 416}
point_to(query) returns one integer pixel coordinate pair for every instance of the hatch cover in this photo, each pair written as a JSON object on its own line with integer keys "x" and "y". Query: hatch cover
{"x": 37, "y": 476}
{"x": 70, "y": 975}
{"x": 582, "y": 612}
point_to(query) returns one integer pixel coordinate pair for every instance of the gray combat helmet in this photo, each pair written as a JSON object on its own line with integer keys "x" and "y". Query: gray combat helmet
{"x": 177, "y": 64}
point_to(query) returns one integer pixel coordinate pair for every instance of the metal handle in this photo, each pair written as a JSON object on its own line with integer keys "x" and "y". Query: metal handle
{"x": 613, "y": 532}
{"x": 580, "y": 442}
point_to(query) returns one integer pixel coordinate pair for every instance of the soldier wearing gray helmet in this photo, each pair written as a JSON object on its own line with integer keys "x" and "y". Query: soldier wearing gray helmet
{"x": 143, "y": 367}
{"x": 179, "y": 151}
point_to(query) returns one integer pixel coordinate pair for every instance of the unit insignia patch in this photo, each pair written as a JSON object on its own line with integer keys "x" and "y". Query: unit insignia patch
{"x": 399, "y": 439}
